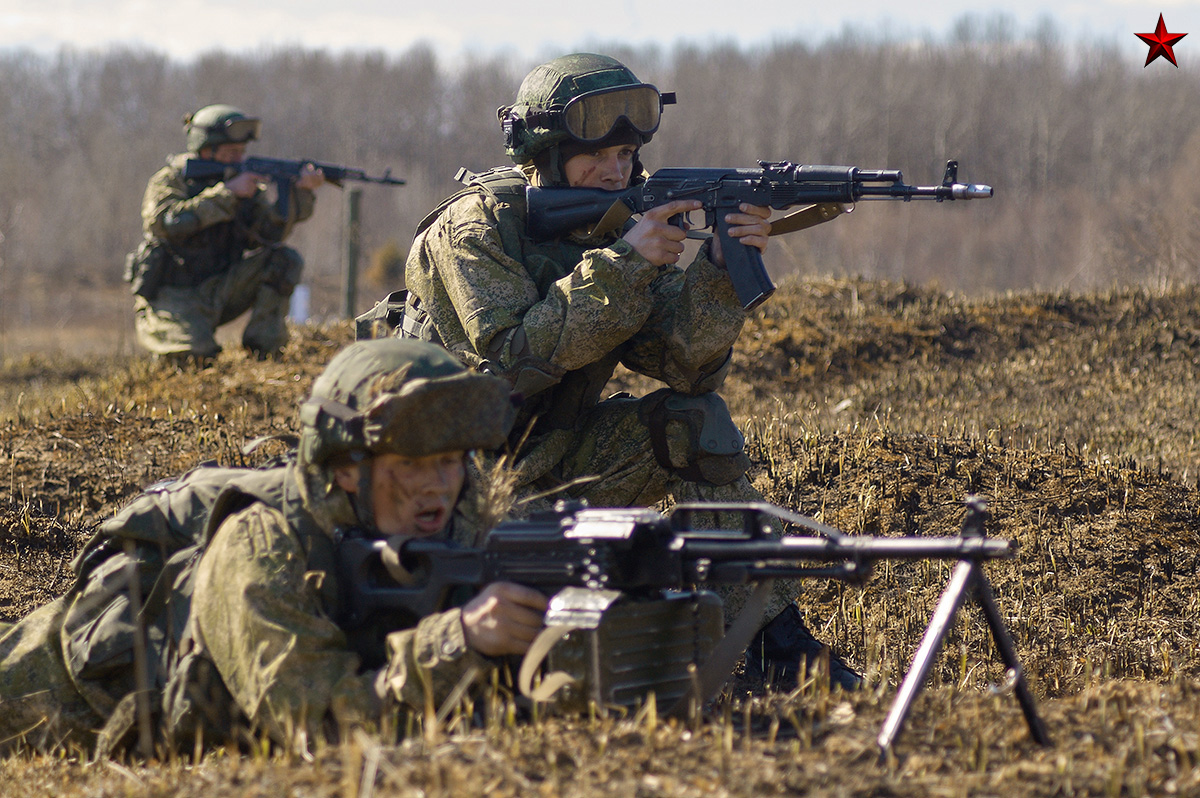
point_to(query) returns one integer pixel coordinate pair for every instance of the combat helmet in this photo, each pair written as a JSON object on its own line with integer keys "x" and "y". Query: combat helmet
{"x": 402, "y": 396}
{"x": 218, "y": 124}
{"x": 580, "y": 98}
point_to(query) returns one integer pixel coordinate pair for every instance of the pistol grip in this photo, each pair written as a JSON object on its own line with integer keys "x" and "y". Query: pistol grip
{"x": 283, "y": 197}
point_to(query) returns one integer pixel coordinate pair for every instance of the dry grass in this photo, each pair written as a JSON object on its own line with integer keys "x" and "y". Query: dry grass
{"x": 874, "y": 407}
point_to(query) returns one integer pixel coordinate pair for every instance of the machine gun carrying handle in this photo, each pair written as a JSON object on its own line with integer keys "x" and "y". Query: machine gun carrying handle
{"x": 975, "y": 523}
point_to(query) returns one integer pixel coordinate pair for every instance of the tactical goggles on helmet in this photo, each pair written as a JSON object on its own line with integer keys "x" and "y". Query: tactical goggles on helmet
{"x": 590, "y": 117}
{"x": 238, "y": 131}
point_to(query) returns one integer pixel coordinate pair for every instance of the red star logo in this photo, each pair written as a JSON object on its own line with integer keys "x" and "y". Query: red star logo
{"x": 1160, "y": 42}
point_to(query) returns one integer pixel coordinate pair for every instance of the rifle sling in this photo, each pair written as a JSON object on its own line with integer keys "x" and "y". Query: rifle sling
{"x": 806, "y": 217}
{"x": 553, "y": 682}
{"x": 613, "y": 220}
{"x": 716, "y": 669}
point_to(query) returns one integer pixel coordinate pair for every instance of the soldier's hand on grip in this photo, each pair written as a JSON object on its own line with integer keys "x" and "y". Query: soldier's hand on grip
{"x": 503, "y": 619}
{"x": 655, "y": 238}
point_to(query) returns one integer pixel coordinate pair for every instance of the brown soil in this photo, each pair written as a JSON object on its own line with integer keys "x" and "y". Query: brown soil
{"x": 875, "y": 407}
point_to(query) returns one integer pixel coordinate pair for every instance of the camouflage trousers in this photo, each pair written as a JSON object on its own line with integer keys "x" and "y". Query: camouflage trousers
{"x": 609, "y": 461}
{"x": 41, "y": 705}
{"x": 183, "y": 321}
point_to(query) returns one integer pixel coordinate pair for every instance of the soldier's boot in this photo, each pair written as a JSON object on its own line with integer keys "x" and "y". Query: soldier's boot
{"x": 185, "y": 361}
{"x": 785, "y": 646}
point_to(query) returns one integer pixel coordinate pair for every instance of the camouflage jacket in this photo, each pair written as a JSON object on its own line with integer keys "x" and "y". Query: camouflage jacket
{"x": 264, "y": 612}
{"x": 200, "y": 228}
{"x": 241, "y": 624}
{"x": 558, "y": 316}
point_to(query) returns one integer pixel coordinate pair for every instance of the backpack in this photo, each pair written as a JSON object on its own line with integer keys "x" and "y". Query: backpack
{"x": 159, "y": 537}
{"x": 504, "y": 183}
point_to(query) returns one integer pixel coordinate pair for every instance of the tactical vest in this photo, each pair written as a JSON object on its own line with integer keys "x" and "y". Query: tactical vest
{"x": 554, "y": 398}
{"x": 400, "y": 313}
{"x": 189, "y": 261}
{"x": 504, "y": 183}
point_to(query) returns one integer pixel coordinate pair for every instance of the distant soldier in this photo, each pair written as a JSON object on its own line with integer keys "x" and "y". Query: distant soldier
{"x": 557, "y": 317}
{"x": 212, "y": 248}
{"x": 246, "y": 624}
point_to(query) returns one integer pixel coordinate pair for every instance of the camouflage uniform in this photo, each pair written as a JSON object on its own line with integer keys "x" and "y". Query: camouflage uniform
{"x": 282, "y": 655}
{"x": 206, "y": 258}
{"x": 261, "y": 647}
{"x": 556, "y": 318}
{"x": 245, "y": 622}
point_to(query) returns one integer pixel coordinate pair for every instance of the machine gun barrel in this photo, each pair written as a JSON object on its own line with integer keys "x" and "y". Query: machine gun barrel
{"x": 852, "y": 547}
{"x": 639, "y": 553}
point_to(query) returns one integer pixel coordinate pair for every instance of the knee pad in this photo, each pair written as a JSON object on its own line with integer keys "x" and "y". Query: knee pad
{"x": 695, "y": 437}
{"x": 283, "y": 267}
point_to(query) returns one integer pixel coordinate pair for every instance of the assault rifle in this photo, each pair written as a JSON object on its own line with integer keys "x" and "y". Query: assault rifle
{"x": 283, "y": 173}
{"x": 824, "y": 190}
{"x": 613, "y": 574}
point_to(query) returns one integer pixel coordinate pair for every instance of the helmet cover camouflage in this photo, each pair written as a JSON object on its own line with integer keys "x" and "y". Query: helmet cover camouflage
{"x": 214, "y": 125}
{"x": 539, "y": 118}
{"x": 402, "y": 396}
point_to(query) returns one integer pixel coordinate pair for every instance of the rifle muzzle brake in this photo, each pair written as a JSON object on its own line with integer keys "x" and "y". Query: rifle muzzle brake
{"x": 974, "y": 191}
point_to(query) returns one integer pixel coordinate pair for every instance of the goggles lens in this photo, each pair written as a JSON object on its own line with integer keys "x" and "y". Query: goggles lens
{"x": 590, "y": 117}
{"x": 245, "y": 129}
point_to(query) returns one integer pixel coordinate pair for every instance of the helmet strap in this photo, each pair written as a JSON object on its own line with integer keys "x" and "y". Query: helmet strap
{"x": 551, "y": 167}
{"x": 638, "y": 170}
{"x": 364, "y": 500}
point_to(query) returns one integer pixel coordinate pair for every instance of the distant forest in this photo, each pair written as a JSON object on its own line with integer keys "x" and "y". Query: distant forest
{"x": 1094, "y": 158}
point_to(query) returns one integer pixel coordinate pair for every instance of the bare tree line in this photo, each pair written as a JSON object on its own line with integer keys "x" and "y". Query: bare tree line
{"x": 1091, "y": 155}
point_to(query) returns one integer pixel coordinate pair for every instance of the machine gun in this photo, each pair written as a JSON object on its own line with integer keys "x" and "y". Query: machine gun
{"x": 823, "y": 190}
{"x": 283, "y": 172}
{"x": 615, "y": 576}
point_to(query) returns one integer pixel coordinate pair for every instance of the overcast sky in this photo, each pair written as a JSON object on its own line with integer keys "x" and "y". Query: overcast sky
{"x": 537, "y": 28}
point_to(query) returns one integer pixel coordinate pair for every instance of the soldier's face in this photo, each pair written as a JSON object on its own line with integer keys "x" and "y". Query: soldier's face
{"x": 609, "y": 168}
{"x": 229, "y": 153}
{"x": 413, "y": 496}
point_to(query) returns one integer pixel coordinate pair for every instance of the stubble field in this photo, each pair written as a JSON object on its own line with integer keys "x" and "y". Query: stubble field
{"x": 874, "y": 407}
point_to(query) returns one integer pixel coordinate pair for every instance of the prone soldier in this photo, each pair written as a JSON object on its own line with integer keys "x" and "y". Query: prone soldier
{"x": 232, "y": 577}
